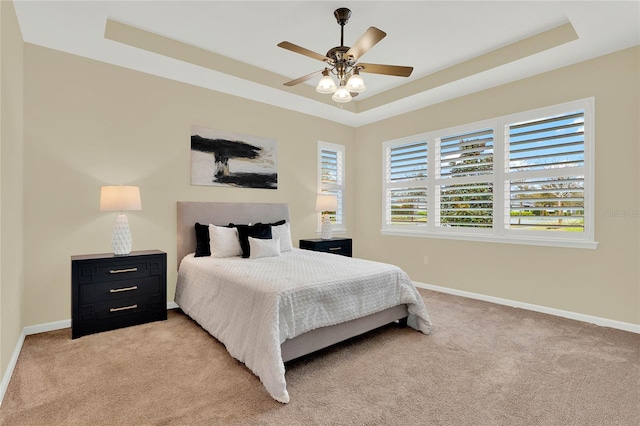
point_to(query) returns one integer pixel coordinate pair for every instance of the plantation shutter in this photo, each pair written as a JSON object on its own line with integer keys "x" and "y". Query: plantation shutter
{"x": 525, "y": 178}
{"x": 406, "y": 192}
{"x": 331, "y": 179}
{"x": 546, "y": 166}
{"x": 465, "y": 180}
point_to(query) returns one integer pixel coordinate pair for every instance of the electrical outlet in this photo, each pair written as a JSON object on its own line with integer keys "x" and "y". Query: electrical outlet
{"x": 426, "y": 260}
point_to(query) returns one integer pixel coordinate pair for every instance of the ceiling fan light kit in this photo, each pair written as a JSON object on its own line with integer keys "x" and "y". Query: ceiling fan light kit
{"x": 342, "y": 61}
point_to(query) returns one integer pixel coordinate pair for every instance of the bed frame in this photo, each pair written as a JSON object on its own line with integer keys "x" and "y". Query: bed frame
{"x": 243, "y": 213}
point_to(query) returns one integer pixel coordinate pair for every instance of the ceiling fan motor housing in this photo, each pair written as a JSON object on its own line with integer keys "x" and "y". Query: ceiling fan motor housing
{"x": 337, "y": 55}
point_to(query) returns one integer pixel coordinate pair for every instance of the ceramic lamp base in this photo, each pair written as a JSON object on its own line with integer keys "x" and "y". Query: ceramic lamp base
{"x": 121, "y": 240}
{"x": 326, "y": 230}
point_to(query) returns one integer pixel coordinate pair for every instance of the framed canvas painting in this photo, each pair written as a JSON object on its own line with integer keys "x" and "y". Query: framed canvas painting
{"x": 221, "y": 158}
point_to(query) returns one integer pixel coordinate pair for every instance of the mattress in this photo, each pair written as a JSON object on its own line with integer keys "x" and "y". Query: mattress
{"x": 253, "y": 305}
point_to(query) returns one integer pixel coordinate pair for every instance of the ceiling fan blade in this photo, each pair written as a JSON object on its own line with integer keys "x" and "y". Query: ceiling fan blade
{"x": 386, "y": 69}
{"x": 302, "y": 79}
{"x": 301, "y": 50}
{"x": 369, "y": 39}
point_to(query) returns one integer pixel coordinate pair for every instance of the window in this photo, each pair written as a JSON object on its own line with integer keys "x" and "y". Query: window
{"x": 331, "y": 179}
{"x": 464, "y": 180}
{"x": 525, "y": 178}
{"x": 406, "y": 184}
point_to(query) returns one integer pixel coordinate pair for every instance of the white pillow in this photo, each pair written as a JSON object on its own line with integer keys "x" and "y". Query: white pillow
{"x": 283, "y": 232}
{"x": 263, "y": 248}
{"x": 224, "y": 242}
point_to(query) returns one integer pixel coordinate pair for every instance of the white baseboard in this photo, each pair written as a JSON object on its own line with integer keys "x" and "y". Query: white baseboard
{"x": 6, "y": 377}
{"x": 50, "y": 326}
{"x": 604, "y": 322}
{"x": 35, "y": 329}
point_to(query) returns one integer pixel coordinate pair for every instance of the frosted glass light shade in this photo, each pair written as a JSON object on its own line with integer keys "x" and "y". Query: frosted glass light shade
{"x": 120, "y": 198}
{"x": 341, "y": 95}
{"x": 356, "y": 84}
{"x": 326, "y": 85}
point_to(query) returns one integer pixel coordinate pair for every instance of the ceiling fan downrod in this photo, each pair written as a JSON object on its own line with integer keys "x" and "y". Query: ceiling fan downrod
{"x": 342, "y": 16}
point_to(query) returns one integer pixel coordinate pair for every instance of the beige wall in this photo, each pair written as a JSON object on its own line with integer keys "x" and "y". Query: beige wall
{"x": 89, "y": 124}
{"x": 604, "y": 282}
{"x": 11, "y": 195}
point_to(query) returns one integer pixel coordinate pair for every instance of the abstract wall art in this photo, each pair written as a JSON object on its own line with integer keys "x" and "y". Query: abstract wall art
{"x": 221, "y": 158}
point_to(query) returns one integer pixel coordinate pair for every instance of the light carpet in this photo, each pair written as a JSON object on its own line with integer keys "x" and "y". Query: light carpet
{"x": 484, "y": 364}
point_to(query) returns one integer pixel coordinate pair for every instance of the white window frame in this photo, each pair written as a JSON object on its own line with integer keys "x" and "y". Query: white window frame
{"x": 500, "y": 231}
{"x": 338, "y": 227}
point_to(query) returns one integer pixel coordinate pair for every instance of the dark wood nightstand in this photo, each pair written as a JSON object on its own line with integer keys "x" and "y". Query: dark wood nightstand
{"x": 109, "y": 291}
{"x": 342, "y": 246}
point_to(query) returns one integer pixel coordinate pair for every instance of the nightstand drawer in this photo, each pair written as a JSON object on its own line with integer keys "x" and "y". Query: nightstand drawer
{"x": 342, "y": 246}
{"x": 130, "y": 307}
{"x": 121, "y": 289}
{"x": 119, "y": 270}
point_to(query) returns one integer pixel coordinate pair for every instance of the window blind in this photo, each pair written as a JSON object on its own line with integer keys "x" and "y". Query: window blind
{"x": 554, "y": 142}
{"x": 408, "y": 162}
{"x": 331, "y": 166}
{"x": 468, "y": 154}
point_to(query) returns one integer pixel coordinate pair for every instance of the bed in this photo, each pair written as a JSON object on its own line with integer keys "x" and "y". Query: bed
{"x": 273, "y": 309}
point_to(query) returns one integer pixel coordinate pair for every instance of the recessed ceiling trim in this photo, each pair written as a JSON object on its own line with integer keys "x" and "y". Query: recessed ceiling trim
{"x": 529, "y": 46}
{"x": 155, "y": 43}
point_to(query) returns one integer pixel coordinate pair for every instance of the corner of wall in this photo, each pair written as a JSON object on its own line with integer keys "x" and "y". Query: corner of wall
{"x": 11, "y": 191}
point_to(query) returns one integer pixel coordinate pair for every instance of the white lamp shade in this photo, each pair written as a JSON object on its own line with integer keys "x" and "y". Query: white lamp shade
{"x": 326, "y": 85}
{"x": 120, "y": 198}
{"x": 326, "y": 203}
{"x": 356, "y": 84}
{"x": 341, "y": 95}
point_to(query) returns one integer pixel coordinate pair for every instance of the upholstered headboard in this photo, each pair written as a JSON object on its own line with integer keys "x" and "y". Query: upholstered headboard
{"x": 222, "y": 214}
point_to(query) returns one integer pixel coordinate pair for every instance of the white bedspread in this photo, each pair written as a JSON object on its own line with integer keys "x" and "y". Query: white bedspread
{"x": 254, "y": 305}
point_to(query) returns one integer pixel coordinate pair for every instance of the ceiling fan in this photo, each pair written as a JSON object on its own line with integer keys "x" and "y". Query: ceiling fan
{"x": 342, "y": 61}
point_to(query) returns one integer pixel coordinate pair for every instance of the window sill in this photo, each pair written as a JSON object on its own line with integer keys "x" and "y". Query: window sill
{"x": 555, "y": 242}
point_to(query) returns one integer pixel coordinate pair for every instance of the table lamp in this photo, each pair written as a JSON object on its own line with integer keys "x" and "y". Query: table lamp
{"x": 325, "y": 204}
{"x": 120, "y": 198}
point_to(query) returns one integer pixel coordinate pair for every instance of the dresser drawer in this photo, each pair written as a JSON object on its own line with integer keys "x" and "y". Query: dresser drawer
{"x": 120, "y": 289}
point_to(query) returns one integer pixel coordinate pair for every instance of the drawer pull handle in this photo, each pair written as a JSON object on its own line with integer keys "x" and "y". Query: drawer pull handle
{"x": 118, "y": 290}
{"x": 119, "y": 271}
{"x": 334, "y": 248}
{"x": 124, "y": 308}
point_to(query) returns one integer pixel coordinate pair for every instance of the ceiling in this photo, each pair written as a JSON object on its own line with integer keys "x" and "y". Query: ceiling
{"x": 455, "y": 47}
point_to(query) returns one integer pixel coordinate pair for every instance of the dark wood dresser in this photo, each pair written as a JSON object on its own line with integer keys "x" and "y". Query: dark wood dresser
{"x": 109, "y": 291}
{"x": 342, "y": 246}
